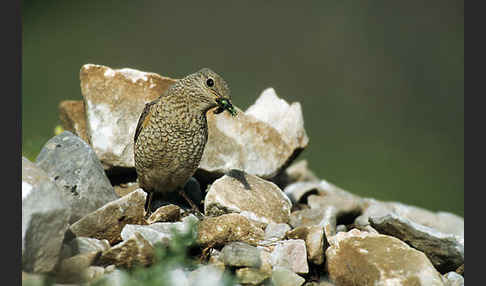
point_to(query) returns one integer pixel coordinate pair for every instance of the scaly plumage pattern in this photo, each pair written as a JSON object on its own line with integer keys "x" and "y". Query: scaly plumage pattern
{"x": 172, "y": 131}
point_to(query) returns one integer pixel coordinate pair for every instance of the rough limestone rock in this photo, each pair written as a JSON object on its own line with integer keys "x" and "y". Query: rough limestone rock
{"x": 108, "y": 221}
{"x": 71, "y": 115}
{"x": 282, "y": 276}
{"x": 363, "y": 258}
{"x": 206, "y": 275}
{"x": 45, "y": 219}
{"x": 291, "y": 254}
{"x": 445, "y": 251}
{"x": 117, "y": 277}
{"x": 315, "y": 241}
{"x": 168, "y": 213}
{"x": 441, "y": 221}
{"x": 128, "y": 253}
{"x": 217, "y": 231}
{"x": 86, "y": 244}
{"x": 238, "y": 192}
{"x": 331, "y": 195}
{"x": 114, "y": 100}
{"x": 73, "y": 165}
{"x": 241, "y": 254}
{"x": 276, "y": 231}
{"x": 325, "y": 218}
{"x": 261, "y": 141}
{"x": 251, "y": 276}
{"x": 161, "y": 232}
{"x": 75, "y": 269}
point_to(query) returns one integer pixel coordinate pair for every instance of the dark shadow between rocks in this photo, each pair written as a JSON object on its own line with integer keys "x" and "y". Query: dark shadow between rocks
{"x": 240, "y": 177}
{"x": 192, "y": 189}
{"x": 121, "y": 175}
{"x": 348, "y": 218}
{"x": 206, "y": 178}
{"x": 280, "y": 178}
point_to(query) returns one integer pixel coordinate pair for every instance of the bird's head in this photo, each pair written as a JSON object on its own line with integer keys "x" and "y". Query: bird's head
{"x": 210, "y": 90}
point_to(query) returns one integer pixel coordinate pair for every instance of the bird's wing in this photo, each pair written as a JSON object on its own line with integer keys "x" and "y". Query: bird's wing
{"x": 143, "y": 117}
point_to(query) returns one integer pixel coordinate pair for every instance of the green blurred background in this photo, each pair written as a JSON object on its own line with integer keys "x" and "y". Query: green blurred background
{"x": 381, "y": 83}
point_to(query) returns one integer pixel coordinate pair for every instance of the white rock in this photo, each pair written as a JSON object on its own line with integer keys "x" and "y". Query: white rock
{"x": 260, "y": 141}
{"x": 290, "y": 254}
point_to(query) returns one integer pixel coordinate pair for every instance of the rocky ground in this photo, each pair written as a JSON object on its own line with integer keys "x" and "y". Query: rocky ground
{"x": 267, "y": 219}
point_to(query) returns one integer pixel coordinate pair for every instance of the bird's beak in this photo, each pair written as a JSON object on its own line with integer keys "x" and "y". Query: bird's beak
{"x": 225, "y": 104}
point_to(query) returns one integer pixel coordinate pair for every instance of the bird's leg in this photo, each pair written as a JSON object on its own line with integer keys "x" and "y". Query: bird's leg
{"x": 194, "y": 207}
{"x": 148, "y": 203}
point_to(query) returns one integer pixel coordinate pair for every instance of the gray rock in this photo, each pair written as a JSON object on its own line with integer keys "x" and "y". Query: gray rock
{"x": 343, "y": 204}
{"x": 45, "y": 219}
{"x": 325, "y": 218}
{"x": 315, "y": 241}
{"x": 133, "y": 251}
{"x": 441, "y": 221}
{"x": 86, "y": 244}
{"x": 110, "y": 268}
{"x": 178, "y": 277}
{"x": 238, "y": 192}
{"x": 261, "y": 141}
{"x": 251, "y": 276}
{"x": 276, "y": 231}
{"x": 108, "y": 221}
{"x": 161, "y": 232}
{"x": 364, "y": 258}
{"x": 445, "y": 251}
{"x": 306, "y": 217}
{"x": 77, "y": 171}
{"x": 453, "y": 279}
{"x": 75, "y": 269}
{"x": 241, "y": 254}
{"x": 116, "y": 277}
{"x": 291, "y": 254}
{"x": 217, "y": 231}
{"x": 206, "y": 275}
{"x": 114, "y": 100}
{"x": 327, "y": 204}
{"x": 93, "y": 273}
{"x": 282, "y": 276}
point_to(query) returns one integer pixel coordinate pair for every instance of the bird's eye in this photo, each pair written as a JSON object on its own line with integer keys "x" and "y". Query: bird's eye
{"x": 210, "y": 82}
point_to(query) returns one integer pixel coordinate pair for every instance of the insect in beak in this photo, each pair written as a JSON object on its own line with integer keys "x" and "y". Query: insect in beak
{"x": 225, "y": 104}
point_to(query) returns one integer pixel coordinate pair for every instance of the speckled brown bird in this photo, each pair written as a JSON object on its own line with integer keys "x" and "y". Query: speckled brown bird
{"x": 172, "y": 132}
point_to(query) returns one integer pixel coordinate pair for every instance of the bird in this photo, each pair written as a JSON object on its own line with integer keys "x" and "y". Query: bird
{"x": 172, "y": 132}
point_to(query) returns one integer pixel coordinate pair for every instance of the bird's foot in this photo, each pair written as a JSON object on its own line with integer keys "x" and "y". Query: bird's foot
{"x": 194, "y": 207}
